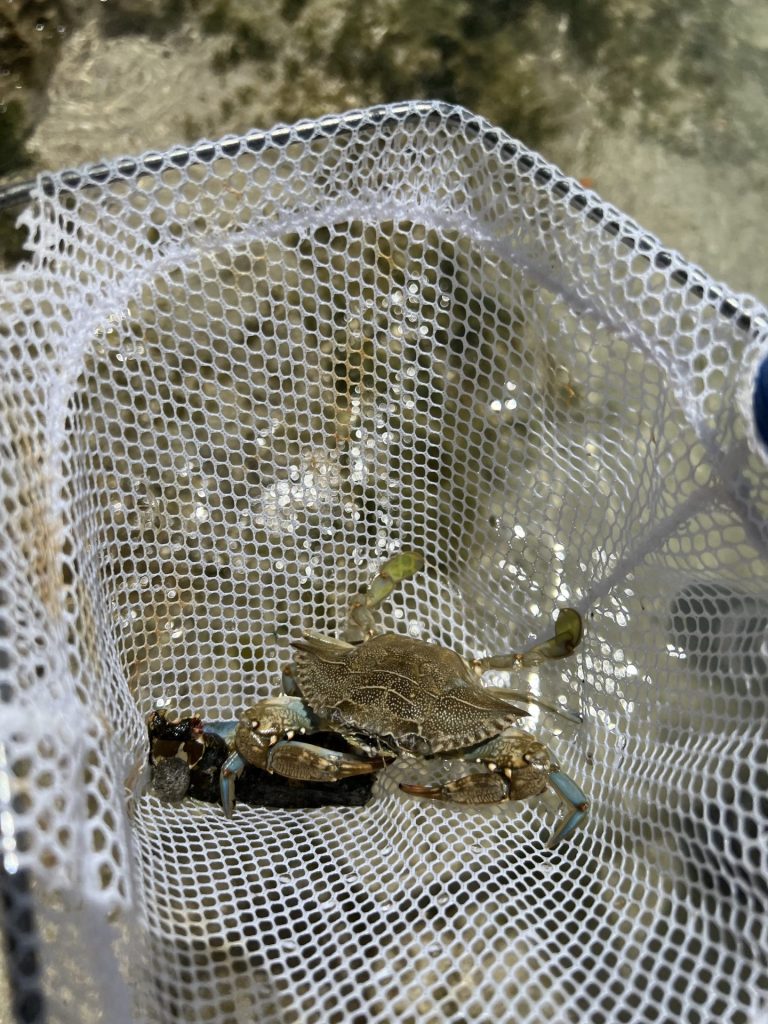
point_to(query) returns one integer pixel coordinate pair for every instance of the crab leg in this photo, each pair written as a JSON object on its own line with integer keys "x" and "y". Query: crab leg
{"x": 570, "y": 793}
{"x": 518, "y": 766}
{"x": 361, "y": 624}
{"x": 231, "y": 770}
{"x": 568, "y": 630}
{"x": 493, "y": 787}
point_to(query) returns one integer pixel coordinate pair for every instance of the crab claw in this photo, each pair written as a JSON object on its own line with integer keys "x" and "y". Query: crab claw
{"x": 568, "y": 632}
{"x": 361, "y": 623}
{"x": 510, "y": 784}
{"x": 305, "y": 761}
{"x": 569, "y": 792}
{"x": 478, "y": 788}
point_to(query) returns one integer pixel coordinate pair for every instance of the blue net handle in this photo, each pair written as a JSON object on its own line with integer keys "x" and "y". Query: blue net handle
{"x": 760, "y": 401}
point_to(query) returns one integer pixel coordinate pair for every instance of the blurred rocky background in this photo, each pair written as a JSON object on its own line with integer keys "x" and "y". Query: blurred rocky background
{"x": 660, "y": 106}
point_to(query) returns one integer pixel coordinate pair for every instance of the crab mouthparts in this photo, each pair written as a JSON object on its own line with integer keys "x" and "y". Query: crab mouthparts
{"x": 264, "y": 739}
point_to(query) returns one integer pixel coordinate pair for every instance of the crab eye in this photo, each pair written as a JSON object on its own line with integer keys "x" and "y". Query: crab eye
{"x": 254, "y": 726}
{"x": 535, "y": 759}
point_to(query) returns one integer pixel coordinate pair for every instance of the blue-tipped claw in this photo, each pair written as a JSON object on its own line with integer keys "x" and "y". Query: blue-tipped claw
{"x": 569, "y": 792}
{"x": 230, "y": 772}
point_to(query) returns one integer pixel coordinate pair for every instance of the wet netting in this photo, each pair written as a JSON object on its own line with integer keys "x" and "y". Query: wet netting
{"x": 236, "y": 380}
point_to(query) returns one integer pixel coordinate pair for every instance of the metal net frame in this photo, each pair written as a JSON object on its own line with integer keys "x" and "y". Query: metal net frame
{"x": 236, "y": 379}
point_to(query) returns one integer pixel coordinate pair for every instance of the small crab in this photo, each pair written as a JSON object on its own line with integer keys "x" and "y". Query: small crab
{"x": 186, "y": 756}
{"x": 391, "y": 694}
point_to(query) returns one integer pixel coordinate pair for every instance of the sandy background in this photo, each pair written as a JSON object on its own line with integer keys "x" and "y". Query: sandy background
{"x": 662, "y": 106}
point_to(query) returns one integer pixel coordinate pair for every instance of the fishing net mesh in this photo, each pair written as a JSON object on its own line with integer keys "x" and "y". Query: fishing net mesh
{"x": 235, "y": 380}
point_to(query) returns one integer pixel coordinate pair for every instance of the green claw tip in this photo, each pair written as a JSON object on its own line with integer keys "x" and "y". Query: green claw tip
{"x": 568, "y": 629}
{"x": 396, "y": 569}
{"x": 402, "y": 565}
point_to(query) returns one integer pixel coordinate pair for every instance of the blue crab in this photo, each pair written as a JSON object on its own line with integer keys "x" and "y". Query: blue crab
{"x": 391, "y": 694}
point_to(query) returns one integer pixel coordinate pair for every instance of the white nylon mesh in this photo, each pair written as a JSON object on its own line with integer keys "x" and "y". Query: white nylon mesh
{"x": 232, "y": 384}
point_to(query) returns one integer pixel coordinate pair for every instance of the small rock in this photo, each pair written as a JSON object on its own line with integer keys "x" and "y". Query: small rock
{"x": 170, "y": 779}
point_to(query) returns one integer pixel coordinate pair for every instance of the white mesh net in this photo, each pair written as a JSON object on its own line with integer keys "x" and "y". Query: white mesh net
{"x": 234, "y": 381}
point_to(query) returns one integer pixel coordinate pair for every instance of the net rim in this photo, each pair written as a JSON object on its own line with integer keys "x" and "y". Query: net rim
{"x": 746, "y": 313}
